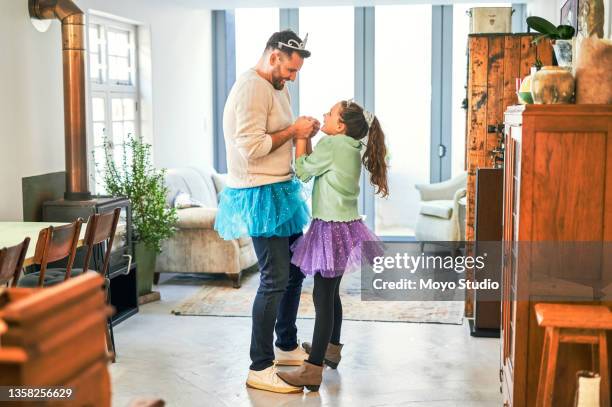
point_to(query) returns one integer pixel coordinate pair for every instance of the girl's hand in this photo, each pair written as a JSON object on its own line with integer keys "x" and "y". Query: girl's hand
{"x": 315, "y": 127}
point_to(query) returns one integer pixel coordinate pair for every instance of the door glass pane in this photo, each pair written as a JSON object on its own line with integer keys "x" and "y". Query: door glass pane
{"x": 96, "y": 53}
{"x": 128, "y": 109}
{"x": 327, "y": 77}
{"x": 117, "y": 107}
{"x": 117, "y": 133}
{"x": 119, "y": 68}
{"x": 461, "y": 29}
{"x": 253, "y": 28}
{"x": 97, "y": 105}
{"x": 99, "y": 129}
{"x": 403, "y": 106}
{"x": 118, "y": 43}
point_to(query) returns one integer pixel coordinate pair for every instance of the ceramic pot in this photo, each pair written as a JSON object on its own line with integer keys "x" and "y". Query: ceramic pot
{"x": 145, "y": 267}
{"x": 552, "y": 85}
{"x": 563, "y": 51}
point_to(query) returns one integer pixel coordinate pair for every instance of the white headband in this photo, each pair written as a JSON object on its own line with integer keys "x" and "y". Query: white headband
{"x": 293, "y": 44}
{"x": 369, "y": 116}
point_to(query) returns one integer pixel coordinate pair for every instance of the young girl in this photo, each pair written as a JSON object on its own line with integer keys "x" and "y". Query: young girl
{"x": 334, "y": 240}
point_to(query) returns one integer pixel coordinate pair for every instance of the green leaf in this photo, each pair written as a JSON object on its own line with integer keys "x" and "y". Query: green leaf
{"x": 541, "y": 25}
{"x": 566, "y": 32}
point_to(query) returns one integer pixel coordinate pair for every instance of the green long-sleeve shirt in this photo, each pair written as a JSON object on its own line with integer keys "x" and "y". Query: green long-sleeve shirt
{"x": 335, "y": 162}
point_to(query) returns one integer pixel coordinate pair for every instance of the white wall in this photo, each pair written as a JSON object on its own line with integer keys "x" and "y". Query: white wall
{"x": 551, "y": 10}
{"x": 31, "y": 96}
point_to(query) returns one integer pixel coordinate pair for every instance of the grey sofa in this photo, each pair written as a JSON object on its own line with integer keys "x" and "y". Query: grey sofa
{"x": 197, "y": 247}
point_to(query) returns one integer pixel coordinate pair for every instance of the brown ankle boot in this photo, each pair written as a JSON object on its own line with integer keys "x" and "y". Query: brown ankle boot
{"x": 332, "y": 354}
{"x": 307, "y": 375}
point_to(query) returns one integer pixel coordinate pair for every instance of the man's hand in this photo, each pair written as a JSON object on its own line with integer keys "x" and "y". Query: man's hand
{"x": 315, "y": 127}
{"x": 303, "y": 127}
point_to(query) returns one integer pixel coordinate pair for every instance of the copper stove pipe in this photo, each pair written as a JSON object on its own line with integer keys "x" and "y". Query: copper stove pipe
{"x": 73, "y": 55}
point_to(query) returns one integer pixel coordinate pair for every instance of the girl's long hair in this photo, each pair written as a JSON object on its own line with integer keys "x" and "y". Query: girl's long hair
{"x": 374, "y": 158}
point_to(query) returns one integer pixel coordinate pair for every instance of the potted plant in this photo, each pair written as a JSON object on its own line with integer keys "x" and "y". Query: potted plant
{"x": 561, "y": 37}
{"x": 137, "y": 179}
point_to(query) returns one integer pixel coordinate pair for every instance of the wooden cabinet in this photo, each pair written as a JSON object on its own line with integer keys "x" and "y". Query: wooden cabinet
{"x": 494, "y": 63}
{"x": 557, "y": 188}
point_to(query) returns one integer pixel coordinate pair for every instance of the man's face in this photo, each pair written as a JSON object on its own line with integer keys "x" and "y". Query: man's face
{"x": 285, "y": 68}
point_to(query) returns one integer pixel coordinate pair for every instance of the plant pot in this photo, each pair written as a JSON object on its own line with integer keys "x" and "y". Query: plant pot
{"x": 552, "y": 85}
{"x": 145, "y": 265}
{"x": 564, "y": 52}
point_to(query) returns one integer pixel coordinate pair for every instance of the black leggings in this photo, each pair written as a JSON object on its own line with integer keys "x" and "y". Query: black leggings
{"x": 328, "y": 320}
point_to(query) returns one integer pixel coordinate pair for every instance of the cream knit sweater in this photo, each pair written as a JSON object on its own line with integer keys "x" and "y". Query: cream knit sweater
{"x": 253, "y": 110}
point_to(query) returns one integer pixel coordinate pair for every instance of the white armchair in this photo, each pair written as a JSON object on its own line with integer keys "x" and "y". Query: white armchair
{"x": 438, "y": 218}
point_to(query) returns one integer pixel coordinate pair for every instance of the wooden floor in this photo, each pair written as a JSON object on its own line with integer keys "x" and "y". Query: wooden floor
{"x": 203, "y": 361}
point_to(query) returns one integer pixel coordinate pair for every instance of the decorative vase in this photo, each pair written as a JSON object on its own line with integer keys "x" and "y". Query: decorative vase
{"x": 145, "y": 267}
{"x": 552, "y": 85}
{"x": 524, "y": 93}
{"x": 563, "y": 51}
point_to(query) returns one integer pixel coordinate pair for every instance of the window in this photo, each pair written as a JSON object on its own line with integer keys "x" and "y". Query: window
{"x": 253, "y": 28}
{"x": 402, "y": 96}
{"x": 113, "y": 101}
{"x": 328, "y": 75}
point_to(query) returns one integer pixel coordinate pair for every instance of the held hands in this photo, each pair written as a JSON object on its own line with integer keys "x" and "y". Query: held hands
{"x": 305, "y": 127}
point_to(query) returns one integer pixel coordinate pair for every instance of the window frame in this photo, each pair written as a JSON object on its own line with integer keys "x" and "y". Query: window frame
{"x": 111, "y": 88}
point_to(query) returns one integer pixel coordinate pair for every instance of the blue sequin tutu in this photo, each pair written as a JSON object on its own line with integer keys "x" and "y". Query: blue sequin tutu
{"x": 277, "y": 209}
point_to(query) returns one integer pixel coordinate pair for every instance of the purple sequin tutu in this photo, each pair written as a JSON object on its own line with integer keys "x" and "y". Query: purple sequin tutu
{"x": 331, "y": 248}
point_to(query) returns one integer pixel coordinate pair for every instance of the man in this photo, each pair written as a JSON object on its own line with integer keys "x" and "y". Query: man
{"x": 264, "y": 200}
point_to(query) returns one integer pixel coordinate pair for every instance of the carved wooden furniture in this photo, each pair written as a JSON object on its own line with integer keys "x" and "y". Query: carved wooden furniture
{"x": 55, "y": 337}
{"x": 581, "y": 324}
{"x": 54, "y": 243}
{"x": 494, "y": 63}
{"x": 11, "y": 262}
{"x": 557, "y": 189}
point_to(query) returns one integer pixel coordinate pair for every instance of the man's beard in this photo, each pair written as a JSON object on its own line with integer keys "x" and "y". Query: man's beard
{"x": 277, "y": 83}
{"x": 277, "y": 80}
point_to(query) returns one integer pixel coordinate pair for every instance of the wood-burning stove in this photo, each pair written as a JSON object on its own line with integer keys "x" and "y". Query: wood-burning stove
{"x": 122, "y": 270}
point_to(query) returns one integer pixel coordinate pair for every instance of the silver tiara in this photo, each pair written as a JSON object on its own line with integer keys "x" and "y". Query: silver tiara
{"x": 293, "y": 44}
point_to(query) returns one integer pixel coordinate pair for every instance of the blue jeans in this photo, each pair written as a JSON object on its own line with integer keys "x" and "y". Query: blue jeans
{"x": 277, "y": 300}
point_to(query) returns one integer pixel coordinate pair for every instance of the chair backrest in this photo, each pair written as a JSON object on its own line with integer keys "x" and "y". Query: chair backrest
{"x": 11, "y": 261}
{"x": 101, "y": 227}
{"x": 56, "y": 243}
{"x": 196, "y": 181}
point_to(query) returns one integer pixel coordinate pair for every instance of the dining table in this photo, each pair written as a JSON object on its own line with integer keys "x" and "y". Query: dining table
{"x": 13, "y": 233}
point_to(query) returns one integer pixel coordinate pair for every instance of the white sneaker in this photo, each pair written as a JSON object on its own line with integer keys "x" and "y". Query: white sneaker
{"x": 268, "y": 380}
{"x": 294, "y": 357}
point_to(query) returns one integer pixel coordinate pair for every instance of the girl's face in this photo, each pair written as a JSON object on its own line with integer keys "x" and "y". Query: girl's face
{"x": 332, "y": 122}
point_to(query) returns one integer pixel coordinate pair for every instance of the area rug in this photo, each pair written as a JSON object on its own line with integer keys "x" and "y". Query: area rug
{"x": 217, "y": 297}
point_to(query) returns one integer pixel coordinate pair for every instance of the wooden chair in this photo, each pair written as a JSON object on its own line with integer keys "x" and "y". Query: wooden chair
{"x": 564, "y": 323}
{"x": 11, "y": 262}
{"x": 101, "y": 228}
{"x": 54, "y": 337}
{"x": 54, "y": 243}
